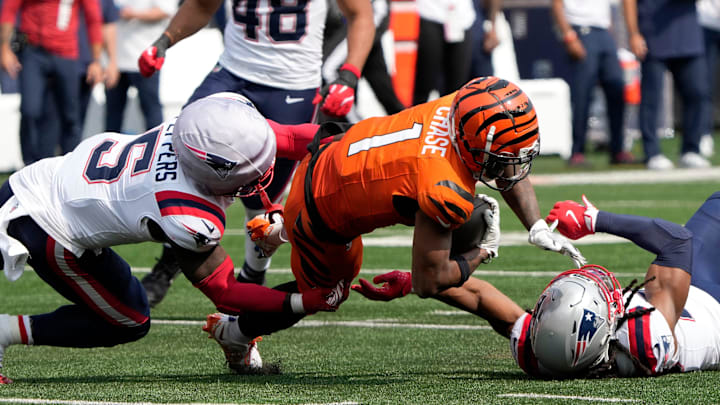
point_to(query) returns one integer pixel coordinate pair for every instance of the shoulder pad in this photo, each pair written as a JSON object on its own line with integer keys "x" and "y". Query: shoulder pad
{"x": 190, "y": 221}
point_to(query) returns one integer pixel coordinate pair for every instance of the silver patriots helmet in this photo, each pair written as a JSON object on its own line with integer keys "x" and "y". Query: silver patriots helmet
{"x": 224, "y": 145}
{"x": 574, "y": 320}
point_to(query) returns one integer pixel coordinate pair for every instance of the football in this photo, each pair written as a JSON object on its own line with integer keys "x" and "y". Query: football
{"x": 469, "y": 234}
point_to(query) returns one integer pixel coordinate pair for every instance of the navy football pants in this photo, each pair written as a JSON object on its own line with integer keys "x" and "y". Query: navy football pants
{"x": 705, "y": 226}
{"x": 109, "y": 305}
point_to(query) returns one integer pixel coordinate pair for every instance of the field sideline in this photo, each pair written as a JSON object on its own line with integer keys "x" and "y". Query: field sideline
{"x": 409, "y": 351}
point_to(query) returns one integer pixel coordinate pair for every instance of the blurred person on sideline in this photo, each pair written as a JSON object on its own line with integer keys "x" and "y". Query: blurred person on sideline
{"x": 709, "y": 15}
{"x": 666, "y": 35}
{"x": 50, "y": 126}
{"x": 592, "y": 52}
{"x": 444, "y": 47}
{"x": 484, "y": 37}
{"x": 140, "y": 22}
{"x": 49, "y": 31}
{"x": 375, "y": 70}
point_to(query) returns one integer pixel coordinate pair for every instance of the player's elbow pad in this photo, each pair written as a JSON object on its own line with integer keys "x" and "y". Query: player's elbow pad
{"x": 672, "y": 243}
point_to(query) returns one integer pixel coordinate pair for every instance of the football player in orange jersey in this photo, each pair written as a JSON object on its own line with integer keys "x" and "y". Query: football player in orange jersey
{"x": 418, "y": 167}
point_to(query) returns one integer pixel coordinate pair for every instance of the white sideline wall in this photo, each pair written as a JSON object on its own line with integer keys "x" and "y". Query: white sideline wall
{"x": 188, "y": 62}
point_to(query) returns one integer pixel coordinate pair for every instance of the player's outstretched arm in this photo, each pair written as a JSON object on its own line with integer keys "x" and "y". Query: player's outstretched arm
{"x": 213, "y": 273}
{"x": 672, "y": 243}
{"x": 482, "y": 298}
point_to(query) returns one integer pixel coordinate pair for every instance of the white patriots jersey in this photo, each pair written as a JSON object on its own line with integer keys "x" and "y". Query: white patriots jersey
{"x": 105, "y": 191}
{"x": 648, "y": 337}
{"x": 276, "y": 43}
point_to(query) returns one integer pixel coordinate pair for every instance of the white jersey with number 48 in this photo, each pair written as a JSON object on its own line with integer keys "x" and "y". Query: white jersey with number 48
{"x": 276, "y": 43}
{"x": 105, "y": 191}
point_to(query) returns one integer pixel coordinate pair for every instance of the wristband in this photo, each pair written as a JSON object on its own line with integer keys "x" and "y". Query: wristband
{"x": 351, "y": 68}
{"x": 464, "y": 269}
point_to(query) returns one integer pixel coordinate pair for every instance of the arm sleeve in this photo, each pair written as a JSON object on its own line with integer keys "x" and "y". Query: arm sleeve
{"x": 233, "y": 297}
{"x": 93, "y": 20}
{"x": 672, "y": 243}
{"x": 292, "y": 140}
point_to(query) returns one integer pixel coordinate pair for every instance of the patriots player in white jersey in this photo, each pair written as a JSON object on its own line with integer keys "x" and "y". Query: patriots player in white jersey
{"x": 171, "y": 184}
{"x": 583, "y": 325}
{"x": 273, "y": 56}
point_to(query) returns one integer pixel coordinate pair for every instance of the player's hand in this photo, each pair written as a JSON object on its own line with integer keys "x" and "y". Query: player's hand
{"x": 153, "y": 57}
{"x": 638, "y": 46}
{"x": 491, "y": 241}
{"x": 337, "y": 98}
{"x": 9, "y": 62}
{"x": 94, "y": 73}
{"x": 574, "y": 220}
{"x": 576, "y": 50}
{"x": 396, "y": 284}
{"x": 542, "y": 236}
{"x": 320, "y": 299}
{"x": 268, "y": 232}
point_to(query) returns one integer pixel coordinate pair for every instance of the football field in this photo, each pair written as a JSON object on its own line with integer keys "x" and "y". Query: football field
{"x": 409, "y": 351}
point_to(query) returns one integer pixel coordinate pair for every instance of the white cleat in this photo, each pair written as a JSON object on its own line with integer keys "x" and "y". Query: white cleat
{"x": 241, "y": 357}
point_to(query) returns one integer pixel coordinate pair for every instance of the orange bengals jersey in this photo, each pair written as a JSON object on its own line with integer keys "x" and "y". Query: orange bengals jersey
{"x": 386, "y": 168}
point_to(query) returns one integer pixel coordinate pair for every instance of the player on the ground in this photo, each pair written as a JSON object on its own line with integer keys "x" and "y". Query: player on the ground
{"x": 273, "y": 56}
{"x": 418, "y": 167}
{"x": 671, "y": 325}
{"x": 171, "y": 184}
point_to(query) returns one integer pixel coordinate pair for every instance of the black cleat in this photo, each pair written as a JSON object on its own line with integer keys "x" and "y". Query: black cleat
{"x": 158, "y": 281}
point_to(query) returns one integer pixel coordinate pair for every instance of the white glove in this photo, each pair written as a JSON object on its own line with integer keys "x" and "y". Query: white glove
{"x": 491, "y": 241}
{"x": 542, "y": 236}
{"x": 267, "y": 233}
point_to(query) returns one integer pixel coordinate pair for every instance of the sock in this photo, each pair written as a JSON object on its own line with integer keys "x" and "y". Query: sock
{"x": 236, "y": 334}
{"x": 17, "y": 328}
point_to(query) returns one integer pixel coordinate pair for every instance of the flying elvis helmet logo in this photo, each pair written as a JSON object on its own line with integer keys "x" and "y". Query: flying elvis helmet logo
{"x": 218, "y": 163}
{"x": 588, "y": 327}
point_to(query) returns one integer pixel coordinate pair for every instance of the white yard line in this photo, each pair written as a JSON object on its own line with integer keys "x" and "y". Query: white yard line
{"x": 76, "y": 402}
{"x": 627, "y": 177}
{"x": 388, "y": 323}
{"x": 572, "y": 397}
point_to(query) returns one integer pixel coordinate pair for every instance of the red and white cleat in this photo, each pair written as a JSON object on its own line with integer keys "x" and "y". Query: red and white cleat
{"x": 240, "y": 357}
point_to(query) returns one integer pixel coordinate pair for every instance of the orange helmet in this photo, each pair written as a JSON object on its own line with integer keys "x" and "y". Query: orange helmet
{"x": 495, "y": 131}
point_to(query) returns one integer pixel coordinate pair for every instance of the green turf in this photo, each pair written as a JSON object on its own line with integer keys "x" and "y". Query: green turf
{"x": 354, "y": 364}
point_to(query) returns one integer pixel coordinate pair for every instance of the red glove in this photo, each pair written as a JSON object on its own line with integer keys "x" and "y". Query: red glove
{"x": 574, "y": 220}
{"x": 319, "y": 299}
{"x": 152, "y": 58}
{"x": 337, "y": 97}
{"x": 396, "y": 284}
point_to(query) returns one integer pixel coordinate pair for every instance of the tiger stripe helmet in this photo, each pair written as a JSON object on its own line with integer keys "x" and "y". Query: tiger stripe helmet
{"x": 495, "y": 131}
